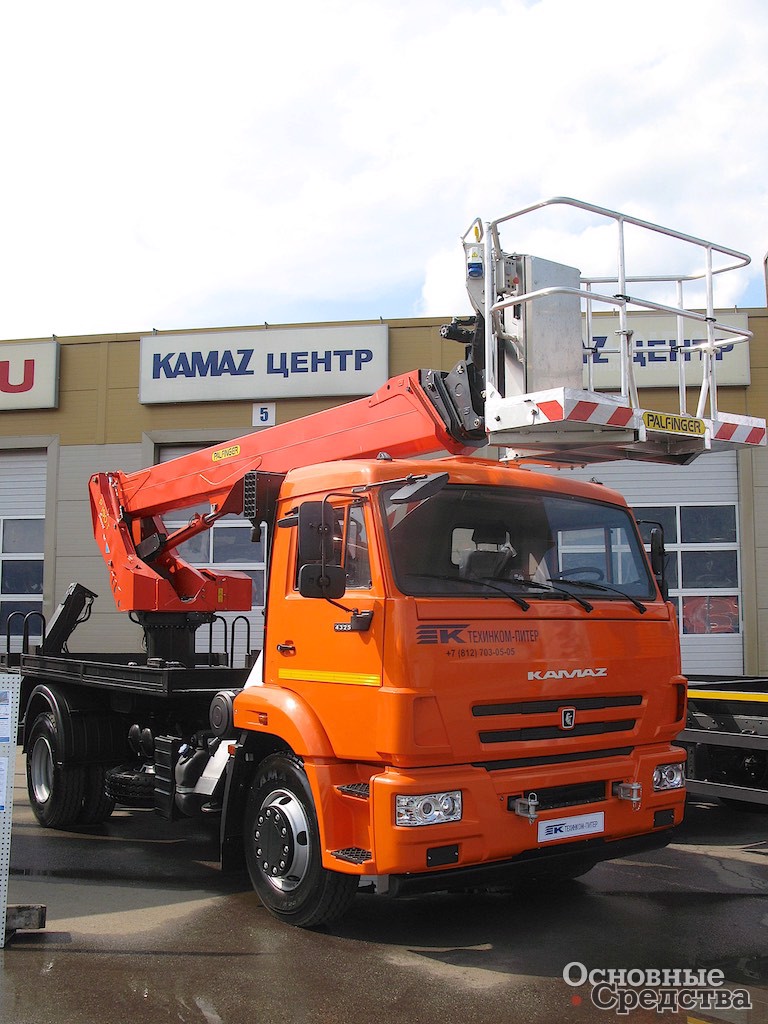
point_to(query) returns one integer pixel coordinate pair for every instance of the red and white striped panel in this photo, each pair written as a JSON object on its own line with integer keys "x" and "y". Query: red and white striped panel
{"x": 581, "y": 411}
{"x": 739, "y": 430}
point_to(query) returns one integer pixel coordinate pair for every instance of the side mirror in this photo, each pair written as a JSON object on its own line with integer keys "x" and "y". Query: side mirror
{"x": 658, "y": 560}
{"x": 419, "y": 489}
{"x": 318, "y": 575}
{"x": 316, "y": 525}
{"x": 318, "y": 581}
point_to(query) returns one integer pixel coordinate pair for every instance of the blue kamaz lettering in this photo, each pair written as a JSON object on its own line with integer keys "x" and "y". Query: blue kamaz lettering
{"x": 199, "y": 364}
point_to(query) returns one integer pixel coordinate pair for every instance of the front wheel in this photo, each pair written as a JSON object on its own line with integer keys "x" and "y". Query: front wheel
{"x": 282, "y": 848}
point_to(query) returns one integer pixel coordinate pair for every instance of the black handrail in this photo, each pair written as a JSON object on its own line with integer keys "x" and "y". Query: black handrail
{"x": 247, "y": 621}
{"x": 25, "y": 616}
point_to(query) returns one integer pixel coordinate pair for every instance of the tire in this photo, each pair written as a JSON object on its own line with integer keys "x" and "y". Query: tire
{"x": 282, "y": 848}
{"x": 97, "y": 803}
{"x": 130, "y": 786}
{"x": 55, "y": 790}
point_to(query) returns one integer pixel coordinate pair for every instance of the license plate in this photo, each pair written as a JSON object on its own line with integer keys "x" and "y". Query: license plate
{"x": 573, "y": 827}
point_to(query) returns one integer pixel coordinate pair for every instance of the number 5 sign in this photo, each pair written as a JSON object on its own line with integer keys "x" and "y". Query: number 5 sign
{"x": 264, "y": 414}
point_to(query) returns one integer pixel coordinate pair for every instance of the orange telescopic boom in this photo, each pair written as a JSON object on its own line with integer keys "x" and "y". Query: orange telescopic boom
{"x": 402, "y": 418}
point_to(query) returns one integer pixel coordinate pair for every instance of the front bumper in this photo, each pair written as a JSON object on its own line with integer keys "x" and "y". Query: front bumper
{"x": 492, "y": 837}
{"x": 574, "y": 858}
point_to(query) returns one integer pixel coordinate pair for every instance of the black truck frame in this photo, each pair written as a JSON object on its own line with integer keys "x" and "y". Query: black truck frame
{"x": 726, "y": 737}
{"x": 100, "y": 729}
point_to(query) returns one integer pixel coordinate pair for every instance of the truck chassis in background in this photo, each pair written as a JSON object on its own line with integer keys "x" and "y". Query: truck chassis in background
{"x": 726, "y": 738}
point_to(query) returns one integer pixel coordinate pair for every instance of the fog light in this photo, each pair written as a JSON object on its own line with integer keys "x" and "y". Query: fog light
{"x": 430, "y": 809}
{"x": 669, "y": 776}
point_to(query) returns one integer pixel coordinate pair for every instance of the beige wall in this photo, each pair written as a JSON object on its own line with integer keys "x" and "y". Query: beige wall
{"x": 100, "y": 425}
{"x": 753, "y": 485}
{"x": 99, "y": 383}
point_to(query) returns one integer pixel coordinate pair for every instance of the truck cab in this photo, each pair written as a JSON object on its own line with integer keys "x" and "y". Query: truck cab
{"x": 494, "y": 683}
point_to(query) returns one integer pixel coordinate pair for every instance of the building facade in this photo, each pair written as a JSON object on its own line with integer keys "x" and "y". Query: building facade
{"x": 73, "y": 406}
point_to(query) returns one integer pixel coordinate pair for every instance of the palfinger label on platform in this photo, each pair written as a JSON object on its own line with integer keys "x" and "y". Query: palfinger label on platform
{"x": 669, "y": 423}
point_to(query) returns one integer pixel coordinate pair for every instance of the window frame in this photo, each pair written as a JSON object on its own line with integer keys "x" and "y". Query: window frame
{"x": 678, "y": 591}
{"x": 344, "y": 510}
{"x": 18, "y": 600}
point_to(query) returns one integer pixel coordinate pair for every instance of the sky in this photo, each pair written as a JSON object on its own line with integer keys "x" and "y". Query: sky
{"x": 175, "y": 165}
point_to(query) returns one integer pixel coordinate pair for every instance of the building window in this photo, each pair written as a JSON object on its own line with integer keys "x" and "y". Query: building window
{"x": 350, "y": 548}
{"x": 703, "y": 568}
{"x": 21, "y": 574}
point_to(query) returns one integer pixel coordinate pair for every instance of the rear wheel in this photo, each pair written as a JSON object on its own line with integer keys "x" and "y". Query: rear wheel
{"x": 55, "y": 790}
{"x": 97, "y": 803}
{"x": 282, "y": 848}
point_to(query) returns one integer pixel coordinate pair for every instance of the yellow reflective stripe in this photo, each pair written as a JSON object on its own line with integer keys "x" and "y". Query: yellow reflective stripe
{"x": 728, "y": 695}
{"x": 311, "y": 675}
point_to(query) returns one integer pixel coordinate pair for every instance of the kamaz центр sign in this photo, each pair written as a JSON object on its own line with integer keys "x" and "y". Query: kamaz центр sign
{"x": 657, "y": 358}
{"x": 216, "y": 366}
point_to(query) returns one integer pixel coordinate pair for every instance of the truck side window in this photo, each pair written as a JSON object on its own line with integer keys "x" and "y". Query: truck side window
{"x": 350, "y": 548}
{"x": 356, "y": 561}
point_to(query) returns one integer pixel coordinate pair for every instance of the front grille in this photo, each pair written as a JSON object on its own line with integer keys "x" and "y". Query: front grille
{"x": 516, "y": 714}
{"x": 553, "y": 759}
{"x": 539, "y": 707}
{"x": 565, "y": 796}
{"x": 555, "y": 732}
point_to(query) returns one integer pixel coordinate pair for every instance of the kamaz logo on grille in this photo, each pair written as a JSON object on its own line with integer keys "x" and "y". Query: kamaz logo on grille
{"x": 444, "y": 633}
{"x": 567, "y": 718}
{"x": 569, "y": 673}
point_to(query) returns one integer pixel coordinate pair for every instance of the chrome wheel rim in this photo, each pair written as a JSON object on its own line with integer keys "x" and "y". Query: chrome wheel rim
{"x": 41, "y": 769}
{"x": 281, "y": 841}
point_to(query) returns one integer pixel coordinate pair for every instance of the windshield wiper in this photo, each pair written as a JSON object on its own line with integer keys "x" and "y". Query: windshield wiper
{"x": 609, "y": 590}
{"x": 478, "y": 583}
{"x": 548, "y": 588}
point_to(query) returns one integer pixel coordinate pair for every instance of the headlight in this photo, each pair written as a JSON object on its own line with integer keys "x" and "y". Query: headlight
{"x": 669, "y": 776}
{"x": 430, "y": 809}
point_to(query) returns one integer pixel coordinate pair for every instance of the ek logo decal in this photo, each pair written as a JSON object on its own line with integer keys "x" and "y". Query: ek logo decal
{"x": 444, "y": 633}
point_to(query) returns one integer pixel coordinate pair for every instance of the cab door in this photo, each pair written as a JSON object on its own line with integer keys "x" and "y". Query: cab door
{"x": 329, "y": 652}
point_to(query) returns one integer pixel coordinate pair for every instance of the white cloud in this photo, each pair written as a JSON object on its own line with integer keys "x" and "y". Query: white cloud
{"x": 179, "y": 164}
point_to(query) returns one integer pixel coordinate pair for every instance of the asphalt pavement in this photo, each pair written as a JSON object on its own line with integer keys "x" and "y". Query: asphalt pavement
{"x": 142, "y": 926}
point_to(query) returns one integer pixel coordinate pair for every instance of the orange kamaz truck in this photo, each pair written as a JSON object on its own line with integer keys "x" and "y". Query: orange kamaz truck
{"x": 470, "y": 672}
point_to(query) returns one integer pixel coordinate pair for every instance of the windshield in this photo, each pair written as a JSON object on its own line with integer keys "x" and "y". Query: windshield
{"x": 482, "y": 540}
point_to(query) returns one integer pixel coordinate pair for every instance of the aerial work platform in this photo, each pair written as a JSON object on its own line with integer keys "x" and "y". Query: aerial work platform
{"x": 539, "y": 319}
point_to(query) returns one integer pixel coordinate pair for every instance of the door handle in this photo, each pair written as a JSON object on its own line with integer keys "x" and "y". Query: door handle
{"x": 286, "y": 648}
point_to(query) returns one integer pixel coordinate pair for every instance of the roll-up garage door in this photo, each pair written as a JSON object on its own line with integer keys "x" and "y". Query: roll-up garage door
{"x": 22, "y": 532}
{"x": 698, "y": 506}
